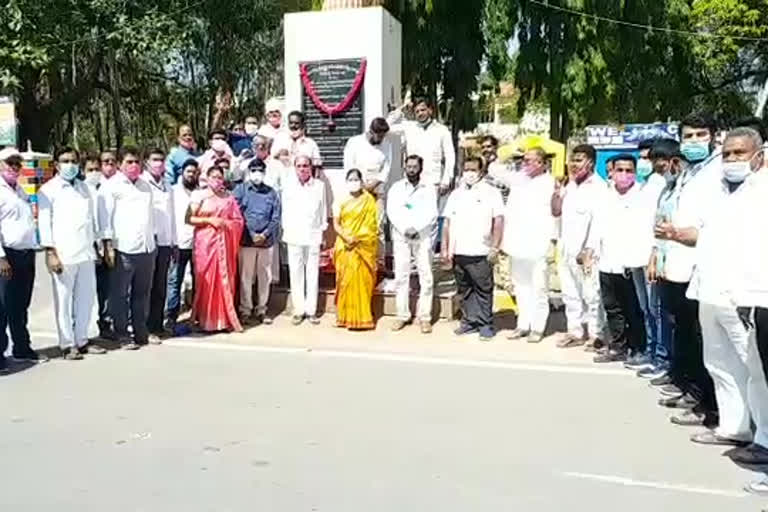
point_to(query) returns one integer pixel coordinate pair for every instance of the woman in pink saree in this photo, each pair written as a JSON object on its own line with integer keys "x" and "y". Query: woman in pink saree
{"x": 218, "y": 228}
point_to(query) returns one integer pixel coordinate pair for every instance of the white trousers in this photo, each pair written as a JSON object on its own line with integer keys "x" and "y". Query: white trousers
{"x": 74, "y": 299}
{"x": 581, "y": 296}
{"x": 530, "y": 278}
{"x": 731, "y": 358}
{"x": 406, "y": 250}
{"x": 255, "y": 263}
{"x": 304, "y": 269}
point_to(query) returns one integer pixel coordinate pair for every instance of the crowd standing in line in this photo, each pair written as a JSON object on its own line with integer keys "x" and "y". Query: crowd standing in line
{"x": 661, "y": 265}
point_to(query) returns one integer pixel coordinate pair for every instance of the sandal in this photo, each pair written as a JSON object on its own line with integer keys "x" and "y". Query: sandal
{"x": 570, "y": 341}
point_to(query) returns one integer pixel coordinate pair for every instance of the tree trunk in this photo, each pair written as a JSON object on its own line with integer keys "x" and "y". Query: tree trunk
{"x": 114, "y": 83}
{"x": 35, "y": 123}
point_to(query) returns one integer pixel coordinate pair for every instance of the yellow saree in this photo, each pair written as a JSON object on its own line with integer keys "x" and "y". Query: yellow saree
{"x": 356, "y": 264}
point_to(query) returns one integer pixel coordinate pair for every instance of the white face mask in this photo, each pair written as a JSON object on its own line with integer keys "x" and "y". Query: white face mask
{"x": 257, "y": 177}
{"x": 354, "y": 186}
{"x": 471, "y": 177}
{"x": 251, "y": 129}
{"x": 93, "y": 177}
{"x": 736, "y": 172}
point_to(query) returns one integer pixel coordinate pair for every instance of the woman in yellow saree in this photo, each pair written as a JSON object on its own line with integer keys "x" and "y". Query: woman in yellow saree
{"x": 354, "y": 255}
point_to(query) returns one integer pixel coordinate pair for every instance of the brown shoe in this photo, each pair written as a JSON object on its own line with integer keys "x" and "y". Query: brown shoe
{"x": 398, "y": 325}
{"x": 426, "y": 327}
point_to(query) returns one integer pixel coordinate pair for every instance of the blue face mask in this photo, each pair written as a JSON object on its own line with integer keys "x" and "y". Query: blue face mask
{"x": 69, "y": 171}
{"x": 644, "y": 169}
{"x": 695, "y": 151}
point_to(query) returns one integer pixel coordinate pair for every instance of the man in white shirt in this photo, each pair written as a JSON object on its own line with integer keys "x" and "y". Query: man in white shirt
{"x": 731, "y": 352}
{"x": 626, "y": 236}
{"x": 528, "y": 228}
{"x": 126, "y": 221}
{"x": 165, "y": 235}
{"x": 578, "y": 206}
{"x": 185, "y": 234}
{"x": 472, "y": 235}
{"x": 681, "y": 209}
{"x": 274, "y": 117}
{"x": 371, "y": 153}
{"x": 304, "y": 220}
{"x": 412, "y": 212}
{"x": 430, "y": 140}
{"x": 296, "y": 140}
{"x": 17, "y": 260}
{"x": 67, "y": 223}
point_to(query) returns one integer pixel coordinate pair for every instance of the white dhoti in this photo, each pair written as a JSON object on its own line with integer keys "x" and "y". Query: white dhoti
{"x": 405, "y": 250}
{"x": 304, "y": 270}
{"x": 74, "y": 299}
{"x": 255, "y": 263}
{"x": 581, "y": 296}
{"x": 530, "y": 278}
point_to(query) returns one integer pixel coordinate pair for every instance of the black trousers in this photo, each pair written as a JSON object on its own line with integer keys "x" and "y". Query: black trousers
{"x": 474, "y": 278}
{"x": 131, "y": 286}
{"x": 687, "y": 356}
{"x": 15, "y": 298}
{"x": 103, "y": 279}
{"x": 761, "y": 325}
{"x": 159, "y": 290}
{"x": 626, "y": 328}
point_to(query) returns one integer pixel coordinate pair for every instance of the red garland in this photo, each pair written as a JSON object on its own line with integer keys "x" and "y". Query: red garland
{"x": 332, "y": 110}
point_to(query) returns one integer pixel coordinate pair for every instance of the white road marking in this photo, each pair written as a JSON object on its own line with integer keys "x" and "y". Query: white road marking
{"x": 375, "y": 356}
{"x": 401, "y": 358}
{"x": 629, "y": 482}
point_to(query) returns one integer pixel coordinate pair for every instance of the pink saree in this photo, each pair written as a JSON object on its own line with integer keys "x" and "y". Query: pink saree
{"x": 215, "y": 256}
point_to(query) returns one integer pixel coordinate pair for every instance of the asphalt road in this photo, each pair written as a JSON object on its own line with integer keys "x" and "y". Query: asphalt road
{"x": 385, "y": 423}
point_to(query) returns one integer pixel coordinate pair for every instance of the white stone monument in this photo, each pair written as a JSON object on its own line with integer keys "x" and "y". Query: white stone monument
{"x": 338, "y": 48}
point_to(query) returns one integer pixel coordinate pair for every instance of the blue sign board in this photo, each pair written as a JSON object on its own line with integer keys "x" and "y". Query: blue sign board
{"x": 628, "y": 136}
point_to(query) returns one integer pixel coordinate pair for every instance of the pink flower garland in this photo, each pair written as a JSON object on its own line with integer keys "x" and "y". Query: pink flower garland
{"x": 332, "y": 110}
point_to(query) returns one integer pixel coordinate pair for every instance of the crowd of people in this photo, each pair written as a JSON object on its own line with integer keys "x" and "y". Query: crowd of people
{"x": 661, "y": 264}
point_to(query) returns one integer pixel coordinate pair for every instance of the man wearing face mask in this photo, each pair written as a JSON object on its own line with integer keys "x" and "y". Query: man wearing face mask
{"x": 186, "y": 149}
{"x": 260, "y": 206}
{"x": 304, "y": 220}
{"x": 165, "y": 236}
{"x": 127, "y": 223}
{"x": 697, "y": 145}
{"x": 412, "y": 212}
{"x": 471, "y": 241}
{"x": 528, "y": 228}
{"x": 681, "y": 207}
{"x": 17, "y": 260}
{"x": 91, "y": 174}
{"x": 242, "y": 141}
{"x": 731, "y": 352}
{"x": 625, "y": 228}
{"x": 68, "y": 231}
{"x": 578, "y": 206}
{"x": 181, "y": 197}
{"x": 273, "y": 126}
{"x": 218, "y": 149}
{"x": 371, "y": 153}
{"x": 296, "y": 140}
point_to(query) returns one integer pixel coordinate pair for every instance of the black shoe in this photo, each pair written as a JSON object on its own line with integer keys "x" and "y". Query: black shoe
{"x": 487, "y": 334}
{"x": 638, "y": 362}
{"x": 683, "y": 402}
{"x": 611, "y": 356}
{"x": 752, "y": 455}
{"x": 257, "y": 320}
{"x": 662, "y": 381}
{"x": 29, "y": 356}
{"x": 3, "y": 365}
{"x": 73, "y": 354}
{"x": 465, "y": 329}
{"x": 689, "y": 419}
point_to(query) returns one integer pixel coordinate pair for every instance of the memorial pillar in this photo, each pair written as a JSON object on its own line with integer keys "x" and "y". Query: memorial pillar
{"x": 342, "y": 57}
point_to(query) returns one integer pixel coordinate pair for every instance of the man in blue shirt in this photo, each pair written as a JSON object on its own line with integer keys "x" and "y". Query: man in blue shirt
{"x": 260, "y": 206}
{"x": 187, "y": 148}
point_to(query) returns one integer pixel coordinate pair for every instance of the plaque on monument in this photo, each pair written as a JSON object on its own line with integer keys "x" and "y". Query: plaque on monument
{"x": 333, "y": 81}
